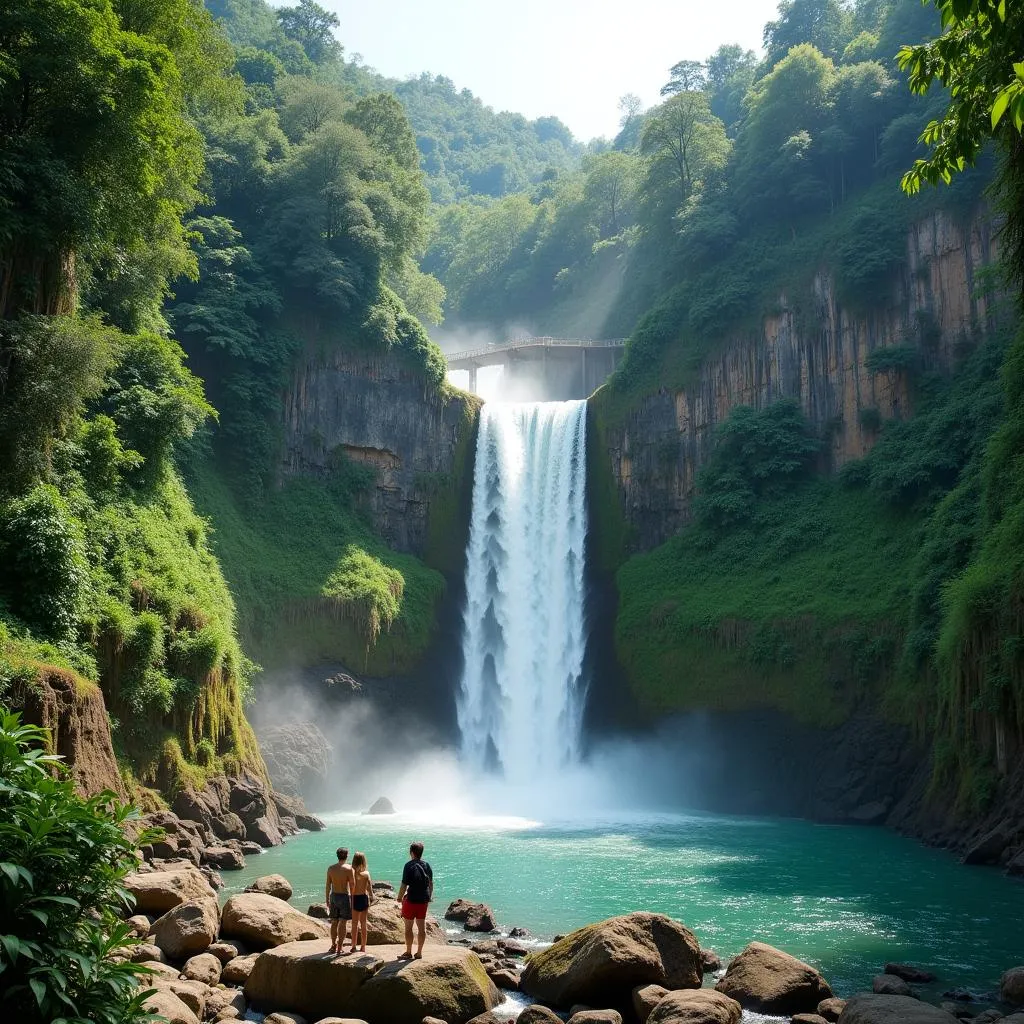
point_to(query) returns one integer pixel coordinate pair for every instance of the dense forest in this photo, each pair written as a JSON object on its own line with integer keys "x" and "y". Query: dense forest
{"x": 227, "y": 191}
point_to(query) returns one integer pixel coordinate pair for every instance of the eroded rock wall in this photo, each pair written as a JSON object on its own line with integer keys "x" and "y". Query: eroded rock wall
{"x": 370, "y": 409}
{"x": 814, "y": 348}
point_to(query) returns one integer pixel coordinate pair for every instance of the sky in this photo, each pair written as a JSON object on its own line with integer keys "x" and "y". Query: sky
{"x": 570, "y": 58}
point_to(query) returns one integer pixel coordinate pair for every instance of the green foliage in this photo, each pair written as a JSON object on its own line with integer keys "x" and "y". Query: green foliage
{"x": 757, "y": 454}
{"x": 61, "y": 893}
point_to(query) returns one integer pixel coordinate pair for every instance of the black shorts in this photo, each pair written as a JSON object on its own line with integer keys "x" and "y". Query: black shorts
{"x": 341, "y": 907}
{"x": 361, "y": 902}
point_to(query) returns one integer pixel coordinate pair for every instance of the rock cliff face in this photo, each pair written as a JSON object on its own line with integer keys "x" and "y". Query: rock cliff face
{"x": 814, "y": 349}
{"x": 76, "y": 716}
{"x": 370, "y": 409}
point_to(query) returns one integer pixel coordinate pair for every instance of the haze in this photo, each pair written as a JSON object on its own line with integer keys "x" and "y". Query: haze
{"x": 569, "y": 58}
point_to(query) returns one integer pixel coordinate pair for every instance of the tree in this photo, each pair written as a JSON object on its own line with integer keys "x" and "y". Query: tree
{"x": 978, "y": 58}
{"x": 631, "y": 109}
{"x": 822, "y": 23}
{"x": 611, "y": 183}
{"x": 683, "y": 140}
{"x": 312, "y": 27}
{"x": 685, "y": 76}
{"x": 61, "y": 891}
{"x": 730, "y": 71}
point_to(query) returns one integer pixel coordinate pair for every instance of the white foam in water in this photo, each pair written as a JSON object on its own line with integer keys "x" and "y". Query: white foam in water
{"x": 521, "y": 699}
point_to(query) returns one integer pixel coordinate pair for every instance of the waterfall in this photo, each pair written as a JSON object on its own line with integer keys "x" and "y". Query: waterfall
{"x": 521, "y": 699}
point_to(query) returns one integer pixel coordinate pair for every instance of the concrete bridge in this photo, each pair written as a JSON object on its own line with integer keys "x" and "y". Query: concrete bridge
{"x": 550, "y": 368}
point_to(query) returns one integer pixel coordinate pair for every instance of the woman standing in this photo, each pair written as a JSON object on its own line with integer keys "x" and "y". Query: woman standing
{"x": 362, "y": 894}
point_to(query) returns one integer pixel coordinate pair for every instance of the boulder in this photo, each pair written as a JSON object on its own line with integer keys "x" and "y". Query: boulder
{"x": 263, "y": 831}
{"x": 283, "y": 1018}
{"x": 187, "y": 929}
{"x": 646, "y": 998}
{"x": 874, "y": 1009}
{"x": 228, "y": 826}
{"x": 227, "y": 949}
{"x": 343, "y": 1020}
{"x": 988, "y": 849}
{"x": 146, "y": 951}
{"x": 767, "y": 980}
{"x": 830, "y": 1009}
{"x": 910, "y": 973}
{"x": 249, "y": 848}
{"x": 448, "y": 982}
{"x": 260, "y": 921}
{"x": 512, "y": 948}
{"x": 808, "y": 1018}
{"x": 504, "y": 978}
{"x": 696, "y": 1006}
{"x": 237, "y": 971}
{"x": 298, "y": 758}
{"x": 519, "y": 933}
{"x": 205, "y": 968}
{"x": 710, "y": 961}
{"x": 170, "y": 1007}
{"x": 382, "y": 805}
{"x": 602, "y": 963}
{"x": 890, "y": 985}
{"x": 225, "y": 858}
{"x": 272, "y": 885}
{"x": 156, "y": 892}
{"x": 596, "y": 1017}
{"x": 192, "y": 993}
{"x": 158, "y": 969}
{"x": 537, "y": 1014}
{"x": 318, "y": 910}
{"x": 458, "y": 910}
{"x": 1011, "y": 986}
{"x": 384, "y": 926}
{"x": 140, "y": 925}
{"x": 480, "y": 919}
{"x": 221, "y": 999}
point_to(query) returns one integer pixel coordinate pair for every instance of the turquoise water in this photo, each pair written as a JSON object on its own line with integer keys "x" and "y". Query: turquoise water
{"x": 845, "y": 899}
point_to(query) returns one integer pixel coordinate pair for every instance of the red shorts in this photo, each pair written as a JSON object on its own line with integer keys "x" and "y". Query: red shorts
{"x": 414, "y": 911}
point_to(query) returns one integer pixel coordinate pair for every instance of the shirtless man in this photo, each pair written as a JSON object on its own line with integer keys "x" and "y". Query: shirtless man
{"x": 339, "y": 899}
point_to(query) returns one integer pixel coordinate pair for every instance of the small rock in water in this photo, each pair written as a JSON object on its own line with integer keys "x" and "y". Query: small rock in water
{"x": 382, "y": 805}
{"x": 890, "y": 985}
{"x": 519, "y": 933}
{"x": 808, "y": 1018}
{"x": 960, "y": 995}
{"x": 831, "y": 1008}
{"x": 1011, "y": 986}
{"x": 710, "y": 961}
{"x": 909, "y": 973}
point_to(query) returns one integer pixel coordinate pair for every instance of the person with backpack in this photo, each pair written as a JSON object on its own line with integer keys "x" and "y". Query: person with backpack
{"x": 415, "y": 894}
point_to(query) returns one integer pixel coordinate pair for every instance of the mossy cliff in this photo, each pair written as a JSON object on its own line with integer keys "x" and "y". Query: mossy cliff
{"x": 787, "y": 525}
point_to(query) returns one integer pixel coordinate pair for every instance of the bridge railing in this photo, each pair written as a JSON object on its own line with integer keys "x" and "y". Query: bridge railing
{"x": 517, "y": 343}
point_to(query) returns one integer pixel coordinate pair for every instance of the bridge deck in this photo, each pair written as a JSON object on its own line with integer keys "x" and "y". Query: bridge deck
{"x": 491, "y": 355}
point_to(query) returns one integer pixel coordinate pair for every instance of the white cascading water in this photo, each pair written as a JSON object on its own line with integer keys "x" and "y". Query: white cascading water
{"x": 521, "y": 700}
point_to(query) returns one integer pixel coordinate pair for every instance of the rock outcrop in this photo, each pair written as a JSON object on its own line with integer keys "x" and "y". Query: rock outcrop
{"x": 414, "y": 437}
{"x": 872, "y": 1009}
{"x": 602, "y": 963}
{"x": 261, "y": 921}
{"x": 696, "y": 1006}
{"x": 298, "y": 757}
{"x": 767, "y": 980}
{"x": 449, "y": 983}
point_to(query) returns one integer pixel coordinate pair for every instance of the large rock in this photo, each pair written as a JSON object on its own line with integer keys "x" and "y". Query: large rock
{"x": 221, "y": 999}
{"x": 890, "y": 985}
{"x": 272, "y": 885}
{"x": 830, "y": 1009}
{"x": 480, "y": 919}
{"x": 227, "y": 949}
{"x": 187, "y": 929}
{"x": 225, "y": 858}
{"x": 170, "y": 1007}
{"x": 205, "y": 968}
{"x": 298, "y": 758}
{"x": 156, "y": 892}
{"x": 304, "y": 977}
{"x": 767, "y": 980}
{"x": 602, "y": 963}
{"x": 228, "y": 825}
{"x": 537, "y": 1014}
{"x": 384, "y": 926}
{"x": 872, "y": 1009}
{"x": 910, "y": 973}
{"x": 646, "y": 998}
{"x": 596, "y": 1017}
{"x": 237, "y": 971}
{"x": 192, "y": 993}
{"x": 696, "y": 1006}
{"x": 260, "y": 921}
{"x": 1011, "y": 986}
{"x": 382, "y": 805}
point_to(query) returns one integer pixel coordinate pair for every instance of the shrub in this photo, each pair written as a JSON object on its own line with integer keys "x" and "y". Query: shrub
{"x": 63, "y": 862}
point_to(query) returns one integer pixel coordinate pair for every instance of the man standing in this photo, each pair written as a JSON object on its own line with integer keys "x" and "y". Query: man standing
{"x": 415, "y": 894}
{"x": 340, "y": 877}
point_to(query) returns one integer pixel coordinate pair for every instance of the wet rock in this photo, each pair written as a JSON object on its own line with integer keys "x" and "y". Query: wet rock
{"x": 228, "y": 825}
{"x": 249, "y": 848}
{"x": 890, "y": 985}
{"x": 767, "y": 980}
{"x": 480, "y": 919}
{"x": 959, "y": 995}
{"x": 831, "y": 1008}
{"x": 910, "y": 973}
{"x": 382, "y": 805}
{"x": 512, "y": 948}
{"x": 602, "y": 963}
{"x": 156, "y": 892}
{"x": 696, "y": 1006}
{"x": 1011, "y": 986}
{"x": 710, "y": 961}
{"x": 596, "y": 1017}
{"x": 237, "y": 971}
{"x": 875, "y": 1009}
{"x": 318, "y": 910}
{"x": 205, "y": 968}
{"x": 272, "y": 885}
{"x": 283, "y": 1018}
{"x": 646, "y": 998}
{"x": 504, "y": 978}
{"x": 989, "y": 848}
{"x": 224, "y": 857}
{"x": 519, "y": 933}
{"x": 187, "y": 929}
{"x": 537, "y": 1014}
{"x": 872, "y": 813}
{"x": 808, "y": 1018}
{"x": 262, "y": 921}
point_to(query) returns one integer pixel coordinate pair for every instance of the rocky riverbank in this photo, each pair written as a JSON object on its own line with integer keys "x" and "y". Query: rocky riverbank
{"x": 259, "y": 954}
